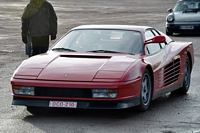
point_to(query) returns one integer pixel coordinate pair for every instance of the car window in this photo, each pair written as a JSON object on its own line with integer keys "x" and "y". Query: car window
{"x": 168, "y": 39}
{"x": 156, "y": 33}
{"x": 187, "y": 5}
{"x": 99, "y": 40}
{"x": 152, "y": 47}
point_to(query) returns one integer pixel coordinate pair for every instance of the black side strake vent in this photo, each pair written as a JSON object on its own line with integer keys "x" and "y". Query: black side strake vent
{"x": 170, "y": 73}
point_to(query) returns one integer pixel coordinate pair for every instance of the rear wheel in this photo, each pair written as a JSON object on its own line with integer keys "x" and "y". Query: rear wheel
{"x": 187, "y": 77}
{"x": 146, "y": 91}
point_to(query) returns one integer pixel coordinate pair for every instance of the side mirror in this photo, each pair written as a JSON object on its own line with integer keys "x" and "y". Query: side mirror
{"x": 156, "y": 39}
{"x": 170, "y": 10}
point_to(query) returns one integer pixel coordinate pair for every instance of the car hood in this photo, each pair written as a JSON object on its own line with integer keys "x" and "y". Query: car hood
{"x": 187, "y": 17}
{"x": 83, "y": 67}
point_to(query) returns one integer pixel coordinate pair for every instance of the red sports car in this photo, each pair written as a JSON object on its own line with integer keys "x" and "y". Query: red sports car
{"x": 105, "y": 67}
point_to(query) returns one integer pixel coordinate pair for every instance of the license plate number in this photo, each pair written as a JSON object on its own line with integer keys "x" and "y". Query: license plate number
{"x": 62, "y": 104}
{"x": 187, "y": 27}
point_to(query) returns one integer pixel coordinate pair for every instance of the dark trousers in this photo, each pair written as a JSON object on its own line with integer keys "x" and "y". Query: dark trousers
{"x": 40, "y": 45}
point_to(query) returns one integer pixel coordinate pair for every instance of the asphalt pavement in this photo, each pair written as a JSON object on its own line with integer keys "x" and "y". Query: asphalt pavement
{"x": 167, "y": 114}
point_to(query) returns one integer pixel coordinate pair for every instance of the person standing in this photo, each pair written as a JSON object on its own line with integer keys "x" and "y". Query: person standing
{"x": 39, "y": 22}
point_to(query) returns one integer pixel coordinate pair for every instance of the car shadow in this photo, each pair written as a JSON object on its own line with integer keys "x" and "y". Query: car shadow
{"x": 86, "y": 113}
{"x": 186, "y": 35}
{"x": 160, "y": 108}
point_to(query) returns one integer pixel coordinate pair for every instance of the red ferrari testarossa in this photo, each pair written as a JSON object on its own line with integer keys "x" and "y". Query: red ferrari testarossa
{"x": 104, "y": 67}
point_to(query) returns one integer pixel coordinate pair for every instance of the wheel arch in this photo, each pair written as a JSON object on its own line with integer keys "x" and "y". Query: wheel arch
{"x": 190, "y": 57}
{"x": 149, "y": 68}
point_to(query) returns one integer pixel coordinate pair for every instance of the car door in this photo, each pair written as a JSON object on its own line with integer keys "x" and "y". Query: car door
{"x": 171, "y": 70}
{"x": 156, "y": 52}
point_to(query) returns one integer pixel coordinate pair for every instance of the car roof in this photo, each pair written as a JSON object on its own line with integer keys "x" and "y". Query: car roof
{"x": 117, "y": 27}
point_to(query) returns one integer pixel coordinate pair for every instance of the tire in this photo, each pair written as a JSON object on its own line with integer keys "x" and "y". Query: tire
{"x": 187, "y": 77}
{"x": 169, "y": 33}
{"x": 145, "y": 91}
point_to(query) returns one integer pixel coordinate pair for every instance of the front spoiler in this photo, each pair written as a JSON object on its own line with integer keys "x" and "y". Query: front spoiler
{"x": 81, "y": 104}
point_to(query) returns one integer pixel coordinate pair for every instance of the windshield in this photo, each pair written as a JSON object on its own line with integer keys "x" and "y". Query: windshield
{"x": 109, "y": 41}
{"x": 187, "y": 5}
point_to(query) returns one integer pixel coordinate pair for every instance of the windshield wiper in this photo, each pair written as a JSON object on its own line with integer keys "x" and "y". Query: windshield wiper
{"x": 64, "y": 49}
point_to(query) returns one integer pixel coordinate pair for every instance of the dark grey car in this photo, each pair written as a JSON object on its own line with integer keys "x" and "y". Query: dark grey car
{"x": 184, "y": 17}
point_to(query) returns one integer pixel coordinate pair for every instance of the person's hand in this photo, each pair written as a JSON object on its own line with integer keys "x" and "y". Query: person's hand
{"x": 53, "y": 36}
{"x": 24, "y": 39}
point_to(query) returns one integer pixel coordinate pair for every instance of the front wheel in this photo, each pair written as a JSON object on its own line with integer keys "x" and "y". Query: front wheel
{"x": 145, "y": 91}
{"x": 169, "y": 33}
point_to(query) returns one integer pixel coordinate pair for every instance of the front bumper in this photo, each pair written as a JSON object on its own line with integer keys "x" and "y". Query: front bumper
{"x": 176, "y": 27}
{"x": 122, "y": 104}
